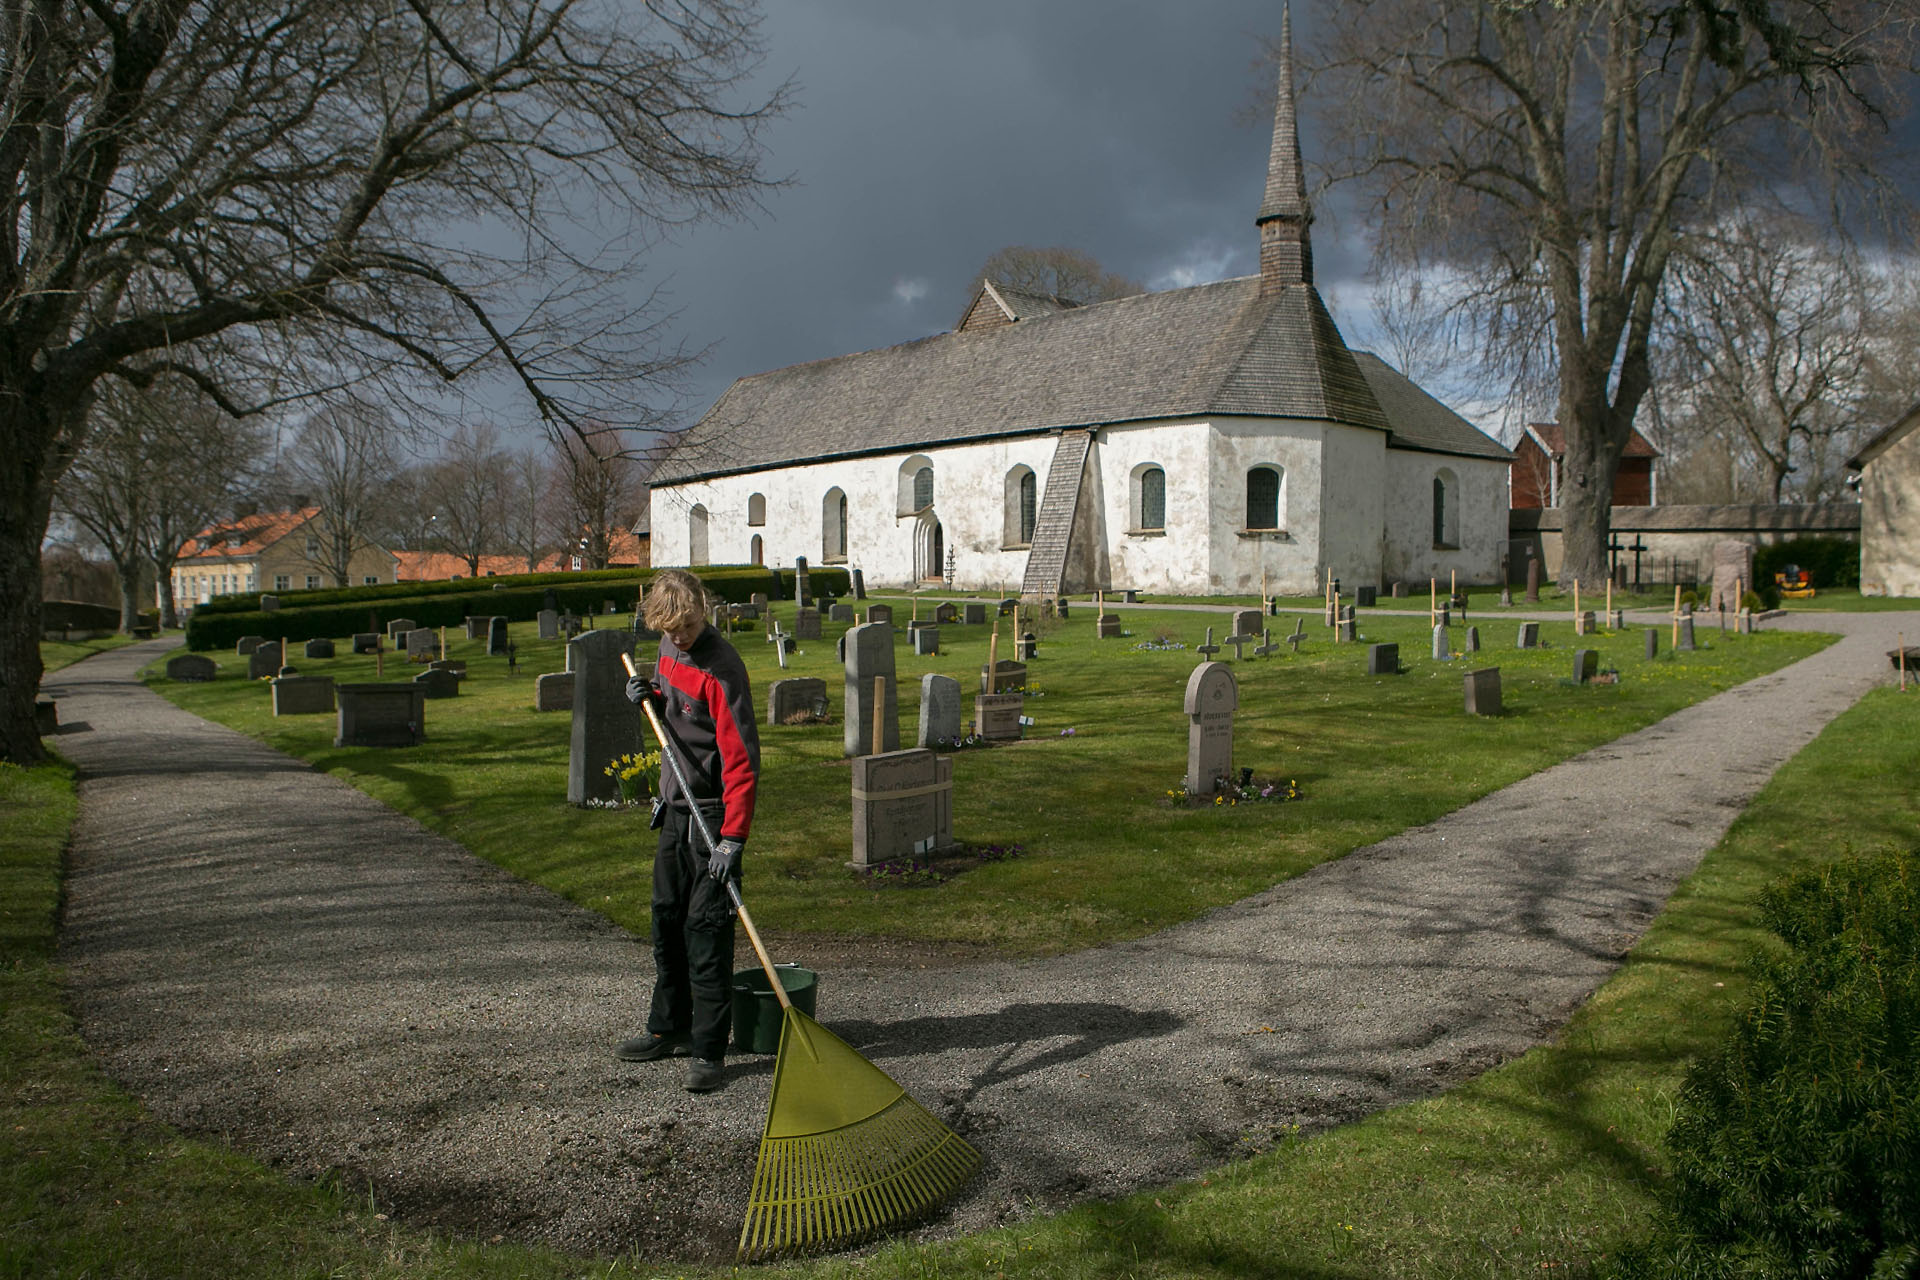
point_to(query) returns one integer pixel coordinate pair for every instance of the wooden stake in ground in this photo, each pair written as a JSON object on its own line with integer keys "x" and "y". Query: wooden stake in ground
{"x": 1265, "y": 600}
{"x": 1676, "y": 615}
{"x": 1576, "y": 604}
{"x": 379, "y": 654}
{"x": 993, "y": 656}
{"x": 1453, "y": 583}
{"x": 1433, "y": 602}
{"x": 879, "y": 714}
{"x": 1900, "y": 639}
{"x": 1609, "y": 599}
{"x": 443, "y": 643}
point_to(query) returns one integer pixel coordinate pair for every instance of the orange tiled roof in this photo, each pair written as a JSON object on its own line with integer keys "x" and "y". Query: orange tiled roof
{"x": 439, "y": 566}
{"x": 255, "y": 533}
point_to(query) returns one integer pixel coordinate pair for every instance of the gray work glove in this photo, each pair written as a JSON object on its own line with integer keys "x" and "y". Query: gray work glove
{"x": 724, "y": 864}
{"x": 640, "y": 690}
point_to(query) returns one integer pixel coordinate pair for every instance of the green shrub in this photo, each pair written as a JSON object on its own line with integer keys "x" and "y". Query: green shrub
{"x": 1796, "y": 1147}
{"x": 1756, "y": 602}
{"x": 1833, "y": 562}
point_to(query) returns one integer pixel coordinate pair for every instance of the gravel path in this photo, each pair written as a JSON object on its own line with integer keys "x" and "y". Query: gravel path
{"x": 267, "y": 956}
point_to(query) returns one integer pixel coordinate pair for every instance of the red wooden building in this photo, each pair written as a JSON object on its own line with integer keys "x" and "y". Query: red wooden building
{"x": 1536, "y": 469}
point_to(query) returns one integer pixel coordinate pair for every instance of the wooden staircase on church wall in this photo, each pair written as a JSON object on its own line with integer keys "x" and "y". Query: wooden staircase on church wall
{"x": 1053, "y": 523}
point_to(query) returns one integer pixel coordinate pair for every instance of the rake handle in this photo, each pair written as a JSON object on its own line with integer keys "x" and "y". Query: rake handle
{"x": 671, "y": 755}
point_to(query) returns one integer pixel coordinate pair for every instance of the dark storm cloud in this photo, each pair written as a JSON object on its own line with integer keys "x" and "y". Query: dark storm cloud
{"x": 926, "y": 136}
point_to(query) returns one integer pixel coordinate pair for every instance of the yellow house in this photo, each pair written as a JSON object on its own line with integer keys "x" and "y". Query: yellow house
{"x": 269, "y": 551}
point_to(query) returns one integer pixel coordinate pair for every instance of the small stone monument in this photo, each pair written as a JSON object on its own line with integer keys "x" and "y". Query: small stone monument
{"x": 868, "y": 653}
{"x": 399, "y": 627}
{"x": 1026, "y": 647}
{"x": 1686, "y": 643}
{"x": 1483, "y": 691}
{"x": 497, "y": 639}
{"x": 366, "y": 641}
{"x": 1383, "y": 659}
{"x": 247, "y": 644}
{"x": 1247, "y": 622}
{"x": 976, "y": 613}
{"x": 795, "y": 696}
{"x": 926, "y": 641}
{"x": 1441, "y": 650}
{"x": 1108, "y": 626}
{"x": 859, "y": 584}
{"x": 1212, "y": 697}
{"x": 1529, "y": 636}
{"x": 939, "y": 710}
{"x": 880, "y": 613}
{"x": 379, "y": 715}
{"x": 265, "y": 661}
{"x": 605, "y": 725}
{"x": 841, "y": 613}
{"x": 1473, "y": 641}
{"x": 319, "y": 648}
{"x": 303, "y": 695}
{"x": 996, "y": 716}
{"x": 191, "y": 668}
{"x": 1366, "y": 597}
{"x": 1005, "y": 677}
{"x": 902, "y": 806}
{"x": 438, "y": 684}
{"x": 946, "y": 614}
{"x": 421, "y": 645}
{"x": 549, "y": 620}
{"x": 806, "y": 623}
{"x": 1653, "y": 643}
{"x": 268, "y": 604}
{"x": 1586, "y": 664}
{"x": 554, "y": 691}
{"x": 1583, "y": 623}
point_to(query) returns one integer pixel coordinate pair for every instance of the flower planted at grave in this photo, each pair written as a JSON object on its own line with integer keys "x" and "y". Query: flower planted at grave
{"x": 637, "y": 776}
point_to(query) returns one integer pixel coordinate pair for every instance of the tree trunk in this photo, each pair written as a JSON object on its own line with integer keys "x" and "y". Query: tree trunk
{"x": 1586, "y": 499}
{"x": 129, "y": 594}
{"x": 26, "y": 504}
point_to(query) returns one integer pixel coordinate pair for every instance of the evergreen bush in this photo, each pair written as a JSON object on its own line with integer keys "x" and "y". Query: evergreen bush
{"x": 1796, "y": 1147}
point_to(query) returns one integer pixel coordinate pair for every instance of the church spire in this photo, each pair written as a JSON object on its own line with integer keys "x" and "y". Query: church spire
{"x": 1286, "y": 255}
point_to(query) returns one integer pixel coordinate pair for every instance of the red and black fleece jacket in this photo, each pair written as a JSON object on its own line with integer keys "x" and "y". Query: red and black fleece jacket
{"x": 710, "y": 715}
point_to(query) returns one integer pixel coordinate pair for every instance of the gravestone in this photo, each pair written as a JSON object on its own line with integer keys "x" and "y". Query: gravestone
{"x": 287, "y": 671}
{"x": 421, "y": 645}
{"x": 1483, "y": 691}
{"x": 976, "y": 613}
{"x": 1586, "y": 664}
{"x": 759, "y": 601}
{"x": 1246, "y": 622}
{"x": 477, "y": 626}
{"x": 939, "y": 710}
{"x": 549, "y": 599}
{"x": 879, "y": 613}
{"x": 265, "y": 661}
{"x": 1060, "y": 607}
{"x": 1732, "y": 568}
{"x": 1207, "y": 650}
{"x": 269, "y": 604}
{"x": 1529, "y": 636}
{"x": 859, "y": 585}
{"x": 841, "y": 613}
{"x": 1399, "y": 591}
{"x": 926, "y": 641}
{"x": 1444, "y": 615}
{"x": 399, "y": 627}
{"x": 1653, "y": 643}
{"x": 902, "y": 806}
{"x": 806, "y": 623}
{"x": 366, "y": 642}
{"x": 320, "y": 648}
{"x": 1533, "y": 580}
{"x": 191, "y": 667}
{"x": 1383, "y": 659}
{"x": 497, "y": 638}
{"x": 800, "y": 584}
{"x": 549, "y": 620}
{"x": 996, "y": 716}
{"x": 1743, "y": 622}
{"x": 1009, "y": 607}
{"x": 456, "y": 665}
{"x": 1026, "y": 647}
{"x": 553, "y": 691}
{"x": 379, "y": 715}
{"x": 1108, "y": 627}
{"x": 605, "y": 725}
{"x": 1472, "y": 644}
{"x": 1441, "y": 650}
{"x": 1212, "y": 697}
{"x": 1686, "y": 643}
{"x": 796, "y": 695}
{"x": 1330, "y": 611}
{"x": 946, "y": 614}
{"x": 1616, "y": 619}
{"x": 1366, "y": 597}
{"x": 247, "y": 644}
{"x": 1005, "y": 677}
{"x": 1347, "y": 630}
{"x": 1506, "y": 596}
{"x": 868, "y": 653}
{"x": 438, "y": 684}
{"x": 1583, "y": 624}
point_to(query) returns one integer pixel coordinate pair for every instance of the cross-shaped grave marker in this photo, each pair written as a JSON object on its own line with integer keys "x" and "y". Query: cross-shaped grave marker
{"x": 1207, "y": 650}
{"x": 1266, "y": 647}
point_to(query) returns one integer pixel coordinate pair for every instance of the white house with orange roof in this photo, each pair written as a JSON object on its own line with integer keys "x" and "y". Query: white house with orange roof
{"x": 268, "y": 551}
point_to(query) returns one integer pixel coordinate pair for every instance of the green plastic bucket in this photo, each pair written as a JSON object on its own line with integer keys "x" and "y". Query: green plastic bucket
{"x": 756, "y": 1010}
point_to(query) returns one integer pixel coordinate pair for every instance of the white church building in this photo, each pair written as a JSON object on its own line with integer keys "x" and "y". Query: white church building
{"x": 1193, "y": 441}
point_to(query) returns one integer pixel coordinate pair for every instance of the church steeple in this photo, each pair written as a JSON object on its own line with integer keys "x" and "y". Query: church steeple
{"x": 1286, "y": 254}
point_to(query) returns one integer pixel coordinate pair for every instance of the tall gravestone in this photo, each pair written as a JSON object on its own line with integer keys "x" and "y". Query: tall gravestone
{"x": 1686, "y": 642}
{"x": 859, "y": 585}
{"x": 1533, "y": 580}
{"x": 1473, "y": 641}
{"x": 800, "y": 579}
{"x": 806, "y": 623}
{"x": 549, "y": 620}
{"x": 1213, "y": 695}
{"x": 1383, "y": 659}
{"x": 1732, "y": 570}
{"x": 1441, "y": 652}
{"x": 421, "y": 645}
{"x": 265, "y": 660}
{"x": 1586, "y": 662}
{"x": 1482, "y": 689}
{"x": 868, "y": 652}
{"x": 939, "y": 710}
{"x": 1529, "y": 636}
{"x": 605, "y": 725}
{"x": 1653, "y": 643}
{"x": 497, "y": 637}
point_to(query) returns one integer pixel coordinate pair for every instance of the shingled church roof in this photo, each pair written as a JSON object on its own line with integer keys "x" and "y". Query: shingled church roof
{"x": 1207, "y": 350}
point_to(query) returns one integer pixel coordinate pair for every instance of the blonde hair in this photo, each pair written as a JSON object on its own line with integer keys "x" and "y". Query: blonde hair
{"x": 675, "y": 599}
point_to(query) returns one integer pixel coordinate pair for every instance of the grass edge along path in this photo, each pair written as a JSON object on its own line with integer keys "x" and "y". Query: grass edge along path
{"x": 1547, "y": 1164}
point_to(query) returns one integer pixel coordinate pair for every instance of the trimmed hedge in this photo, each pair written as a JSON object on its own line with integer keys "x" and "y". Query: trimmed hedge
{"x": 249, "y": 601}
{"x": 370, "y": 609}
{"x": 1796, "y": 1147}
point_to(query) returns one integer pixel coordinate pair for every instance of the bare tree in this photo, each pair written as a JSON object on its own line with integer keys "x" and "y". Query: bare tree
{"x": 466, "y": 490}
{"x": 344, "y": 457}
{"x": 1068, "y": 274}
{"x": 205, "y": 461}
{"x": 528, "y": 527}
{"x": 1550, "y": 155}
{"x": 361, "y": 187}
{"x": 1775, "y": 328}
{"x": 104, "y": 492}
{"x": 600, "y": 484}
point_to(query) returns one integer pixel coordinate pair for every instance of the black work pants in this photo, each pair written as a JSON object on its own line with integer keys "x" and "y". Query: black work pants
{"x": 692, "y": 943}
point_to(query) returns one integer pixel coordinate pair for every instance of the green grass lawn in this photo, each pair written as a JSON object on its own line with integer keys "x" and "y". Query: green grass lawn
{"x": 1548, "y": 1163}
{"x": 55, "y": 654}
{"x": 1105, "y": 854}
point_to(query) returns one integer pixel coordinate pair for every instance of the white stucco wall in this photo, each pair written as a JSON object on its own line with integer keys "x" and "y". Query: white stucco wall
{"x": 1410, "y": 554}
{"x": 1356, "y": 489}
{"x": 1890, "y": 521}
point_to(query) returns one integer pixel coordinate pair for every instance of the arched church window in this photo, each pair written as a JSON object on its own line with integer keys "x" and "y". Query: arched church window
{"x": 1263, "y": 498}
{"x": 923, "y": 488}
{"x": 1149, "y": 498}
{"x": 833, "y": 526}
{"x": 756, "y": 509}
{"x": 1446, "y": 513}
{"x": 756, "y": 551}
{"x": 1021, "y": 507}
{"x": 697, "y": 552}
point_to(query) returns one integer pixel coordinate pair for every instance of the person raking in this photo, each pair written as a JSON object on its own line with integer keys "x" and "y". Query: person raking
{"x": 700, "y": 691}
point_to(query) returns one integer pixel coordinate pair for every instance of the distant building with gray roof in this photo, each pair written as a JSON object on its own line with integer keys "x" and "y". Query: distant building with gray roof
{"x": 1197, "y": 440}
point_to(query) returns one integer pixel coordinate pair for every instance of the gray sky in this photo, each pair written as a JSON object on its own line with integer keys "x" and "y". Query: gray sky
{"x": 928, "y": 135}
